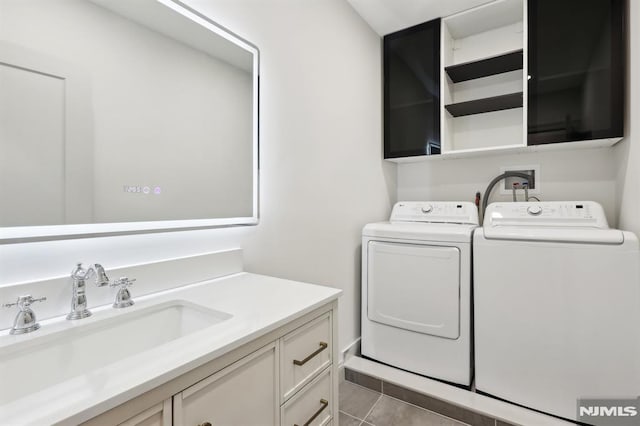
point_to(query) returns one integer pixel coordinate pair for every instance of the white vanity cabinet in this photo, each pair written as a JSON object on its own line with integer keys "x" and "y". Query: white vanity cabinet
{"x": 286, "y": 377}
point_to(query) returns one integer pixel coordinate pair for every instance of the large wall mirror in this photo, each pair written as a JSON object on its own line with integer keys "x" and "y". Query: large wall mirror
{"x": 123, "y": 116}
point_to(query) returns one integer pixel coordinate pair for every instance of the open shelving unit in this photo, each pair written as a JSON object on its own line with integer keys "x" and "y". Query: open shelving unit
{"x": 517, "y": 76}
{"x": 483, "y": 78}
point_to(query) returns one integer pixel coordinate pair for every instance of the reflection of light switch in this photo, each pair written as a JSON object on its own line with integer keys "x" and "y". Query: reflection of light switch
{"x": 146, "y": 190}
{"x": 132, "y": 188}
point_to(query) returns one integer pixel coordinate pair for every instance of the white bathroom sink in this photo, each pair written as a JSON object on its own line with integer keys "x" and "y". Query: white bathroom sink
{"x": 41, "y": 362}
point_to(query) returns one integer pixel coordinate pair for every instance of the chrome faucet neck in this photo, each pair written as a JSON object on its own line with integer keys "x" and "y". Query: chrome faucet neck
{"x": 79, "y": 275}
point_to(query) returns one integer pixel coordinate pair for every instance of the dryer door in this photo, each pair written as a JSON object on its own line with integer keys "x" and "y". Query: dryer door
{"x": 414, "y": 287}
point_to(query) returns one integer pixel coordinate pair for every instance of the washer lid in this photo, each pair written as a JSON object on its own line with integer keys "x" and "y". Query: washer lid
{"x": 435, "y": 212}
{"x": 443, "y": 232}
{"x": 565, "y": 221}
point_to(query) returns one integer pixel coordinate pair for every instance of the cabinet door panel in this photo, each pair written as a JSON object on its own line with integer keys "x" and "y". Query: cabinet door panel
{"x": 243, "y": 394}
{"x": 576, "y": 68}
{"x": 412, "y": 91}
{"x": 158, "y": 415}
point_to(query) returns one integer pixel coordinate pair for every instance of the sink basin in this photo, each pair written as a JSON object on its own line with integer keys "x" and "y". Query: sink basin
{"x": 38, "y": 363}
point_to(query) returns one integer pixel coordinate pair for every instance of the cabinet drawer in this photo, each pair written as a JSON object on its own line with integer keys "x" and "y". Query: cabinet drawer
{"x": 242, "y": 394}
{"x": 313, "y": 404}
{"x": 306, "y": 351}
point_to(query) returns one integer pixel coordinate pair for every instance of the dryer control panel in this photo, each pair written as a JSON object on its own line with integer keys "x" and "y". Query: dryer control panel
{"x": 435, "y": 212}
{"x": 548, "y": 214}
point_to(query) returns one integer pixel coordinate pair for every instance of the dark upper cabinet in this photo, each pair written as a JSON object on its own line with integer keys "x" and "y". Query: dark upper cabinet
{"x": 412, "y": 91}
{"x": 576, "y": 69}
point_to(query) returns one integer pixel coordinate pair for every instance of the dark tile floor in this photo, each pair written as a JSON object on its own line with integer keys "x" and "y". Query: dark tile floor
{"x": 360, "y": 406}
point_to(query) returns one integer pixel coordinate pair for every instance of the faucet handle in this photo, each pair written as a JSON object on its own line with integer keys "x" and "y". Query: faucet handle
{"x": 123, "y": 298}
{"x": 24, "y": 302}
{"x": 25, "y": 321}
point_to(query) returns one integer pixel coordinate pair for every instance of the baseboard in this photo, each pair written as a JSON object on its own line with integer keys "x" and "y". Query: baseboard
{"x": 351, "y": 350}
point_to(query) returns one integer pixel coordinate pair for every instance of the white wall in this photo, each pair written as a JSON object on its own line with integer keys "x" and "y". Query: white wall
{"x": 322, "y": 172}
{"x": 628, "y": 152}
{"x": 322, "y": 176}
{"x": 588, "y": 174}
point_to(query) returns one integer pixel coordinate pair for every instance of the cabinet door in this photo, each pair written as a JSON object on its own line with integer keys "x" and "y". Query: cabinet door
{"x": 576, "y": 70}
{"x": 412, "y": 91}
{"x": 158, "y": 415}
{"x": 242, "y": 394}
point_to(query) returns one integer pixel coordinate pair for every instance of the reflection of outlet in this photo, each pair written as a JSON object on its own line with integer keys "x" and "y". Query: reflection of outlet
{"x": 532, "y": 170}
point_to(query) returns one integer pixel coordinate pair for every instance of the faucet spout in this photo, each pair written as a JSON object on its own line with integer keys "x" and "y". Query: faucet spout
{"x": 101, "y": 276}
{"x": 79, "y": 276}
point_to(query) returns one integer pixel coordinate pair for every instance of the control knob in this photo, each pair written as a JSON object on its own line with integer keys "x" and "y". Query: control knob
{"x": 427, "y": 209}
{"x": 534, "y": 210}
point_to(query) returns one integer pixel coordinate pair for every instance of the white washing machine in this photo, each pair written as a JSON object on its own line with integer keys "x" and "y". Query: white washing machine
{"x": 416, "y": 289}
{"x": 556, "y": 306}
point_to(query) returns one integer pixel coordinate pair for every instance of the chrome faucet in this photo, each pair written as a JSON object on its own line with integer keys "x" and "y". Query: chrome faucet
{"x": 25, "y": 321}
{"x": 79, "y": 298}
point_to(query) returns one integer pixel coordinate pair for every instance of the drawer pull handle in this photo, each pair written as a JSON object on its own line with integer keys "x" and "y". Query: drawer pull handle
{"x": 324, "y": 403}
{"x": 205, "y": 424}
{"x": 323, "y": 346}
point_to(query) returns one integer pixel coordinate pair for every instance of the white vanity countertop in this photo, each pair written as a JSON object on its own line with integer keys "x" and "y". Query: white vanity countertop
{"x": 259, "y": 304}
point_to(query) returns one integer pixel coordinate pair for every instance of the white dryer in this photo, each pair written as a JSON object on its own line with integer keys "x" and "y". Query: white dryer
{"x": 416, "y": 289}
{"x": 556, "y": 306}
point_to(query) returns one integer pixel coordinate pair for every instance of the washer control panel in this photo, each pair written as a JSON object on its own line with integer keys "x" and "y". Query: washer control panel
{"x": 435, "y": 212}
{"x": 549, "y": 213}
